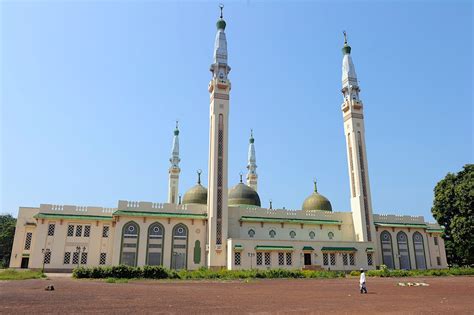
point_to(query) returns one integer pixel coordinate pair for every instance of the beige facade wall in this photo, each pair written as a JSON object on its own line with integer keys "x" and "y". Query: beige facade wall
{"x": 265, "y": 233}
{"x": 196, "y": 232}
{"x": 248, "y": 254}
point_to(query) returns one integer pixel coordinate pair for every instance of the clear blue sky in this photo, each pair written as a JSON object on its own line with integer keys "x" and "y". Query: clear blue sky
{"x": 90, "y": 92}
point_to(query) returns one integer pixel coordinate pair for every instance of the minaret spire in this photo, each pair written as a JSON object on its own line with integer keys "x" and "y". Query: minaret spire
{"x": 217, "y": 198}
{"x": 353, "y": 115}
{"x": 174, "y": 169}
{"x": 252, "y": 177}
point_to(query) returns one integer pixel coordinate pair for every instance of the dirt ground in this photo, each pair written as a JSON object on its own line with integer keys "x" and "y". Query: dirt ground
{"x": 443, "y": 295}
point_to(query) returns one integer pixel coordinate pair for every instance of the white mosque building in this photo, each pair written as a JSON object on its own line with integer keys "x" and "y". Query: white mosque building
{"x": 218, "y": 227}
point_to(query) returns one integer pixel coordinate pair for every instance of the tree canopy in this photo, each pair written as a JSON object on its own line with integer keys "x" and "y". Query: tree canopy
{"x": 7, "y": 232}
{"x": 453, "y": 208}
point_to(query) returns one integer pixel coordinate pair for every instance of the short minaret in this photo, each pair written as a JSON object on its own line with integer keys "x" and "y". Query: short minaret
{"x": 174, "y": 169}
{"x": 353, "y": 114}
{"x": 219, "y": 89}
{"x": 252, "y": 177}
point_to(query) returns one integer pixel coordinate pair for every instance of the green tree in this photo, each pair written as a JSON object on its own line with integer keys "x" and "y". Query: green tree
{"x": 453, "y": 208}
{"x": 7, "y": 232}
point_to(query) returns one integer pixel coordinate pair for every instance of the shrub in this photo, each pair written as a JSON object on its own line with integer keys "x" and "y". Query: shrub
{"x": 160, "y": 272}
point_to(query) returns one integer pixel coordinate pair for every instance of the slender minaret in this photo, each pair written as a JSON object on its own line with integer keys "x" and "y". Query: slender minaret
{"x": 352, "y": 111}
{"x": 174, "y": 169}
{"x": 252, "y": 177}
{"x": 219, "y": 88}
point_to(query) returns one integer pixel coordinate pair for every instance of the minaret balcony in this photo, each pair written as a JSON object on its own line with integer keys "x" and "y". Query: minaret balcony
{"x": 345, "y": 106}
{"x": 356, "y": 104}
{"x": 223, "y": 84}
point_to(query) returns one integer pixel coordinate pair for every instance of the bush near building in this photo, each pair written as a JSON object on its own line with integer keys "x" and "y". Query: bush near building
{"x": 159, "y": 272}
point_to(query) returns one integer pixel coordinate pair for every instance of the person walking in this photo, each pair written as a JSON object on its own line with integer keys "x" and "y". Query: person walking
{"x": 363, "y": 287}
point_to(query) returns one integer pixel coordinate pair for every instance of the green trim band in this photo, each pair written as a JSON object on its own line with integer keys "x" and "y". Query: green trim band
{"x": 72, "y": 216}
{"x": 412, "y": 225}
{"x": 238, "y": 247}
{"x": 25, "y": 255}
{"x": 339, "y": 249}
{"x": 308, "y": 248}
{"x": 369, "y": 250}
{"x": 434, "y": 230}
{"x": 159, "y": 214}
{"x": 268, "y": 248}
{"x": 284, "y": 220}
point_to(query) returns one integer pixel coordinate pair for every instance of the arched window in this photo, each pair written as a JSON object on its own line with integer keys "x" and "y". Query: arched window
{"x": 129, "y": 250}
{"x": 156, "y": 233}
{"x": 387, "y": 249}
{"x": 312, "y": 235}
{"x": 179, "y": 247}
{"x": 403, "y": 250}
{"x": 419, "y": 250}
{"x": 272, "y": 233}
{"x": 251, "y": 233}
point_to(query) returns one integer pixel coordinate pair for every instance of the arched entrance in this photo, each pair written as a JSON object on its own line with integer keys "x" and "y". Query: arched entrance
{"x": 179, "y": 247}
{"x": 419, "y": 250}
{"x": 387, "y": 249}
{"x": 129, "y": 249}
{"x": 156, "y": 234}
{"x": 403, "y": 250}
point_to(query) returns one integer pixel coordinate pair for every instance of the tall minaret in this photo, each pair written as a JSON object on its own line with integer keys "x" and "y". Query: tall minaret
{"x": 219, "y": 88}
{"x": 174, "y": 169}
{"x": 352, "y": 111}
{"x": 252, "y": 177}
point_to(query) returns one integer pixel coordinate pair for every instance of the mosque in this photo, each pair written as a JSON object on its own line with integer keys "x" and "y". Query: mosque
{"x": 217, "y": 227}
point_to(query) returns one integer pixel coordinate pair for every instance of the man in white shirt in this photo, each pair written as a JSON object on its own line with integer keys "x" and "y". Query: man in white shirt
{"x": 363, "y": 288}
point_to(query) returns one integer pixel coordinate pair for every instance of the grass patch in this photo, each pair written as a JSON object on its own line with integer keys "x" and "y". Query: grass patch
{"x": 115, "y": 280}
{"x": 385, "y": 272}
{"x": 12, "y": 274}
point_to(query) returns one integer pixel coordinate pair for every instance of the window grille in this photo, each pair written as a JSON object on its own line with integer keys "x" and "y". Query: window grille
{"x": 105, "y": 231}
{"x": 369, "y": 260}
{"x": 70, "y": 230}
{"x": 292, "y": 234}
{"x": 330, "y": 235}
{"x": 103, "y": 258}
{"x": 289, "y": 260}
{"x": 272, "y": 233}
{"x": 436, "y": 240}
{"x": 51, "y": 227}
{"x": 29, "y": 235}
{"x": 312, "y": 235}
{"x": 67, "y": 258}
{"x": 344, "y": 259}
{"x": 78, "y": 230}
{"x": 251, "y": 233}
{"x": 84, "y": 258}
{"x": 87, "y": 231}
{"x": 281, "y": 259}
{"x": 325, "y": 259}
{"x": 268, "y": 260}
{"x": 352, "y": 259}
{"x": 237, "y": 258}
{"x": 333, "y": 259}
{"x": 438, "y": 261}
{"x": 47, "y": 257}
{"x": 75, "y": 258}
{"x": 259, "y": 259}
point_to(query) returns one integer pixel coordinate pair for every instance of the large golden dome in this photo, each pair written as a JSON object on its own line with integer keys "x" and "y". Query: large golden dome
{"x": 197, "y": 194}
{"x": 241, "y": 195}
{"x": 316, "y": 201}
